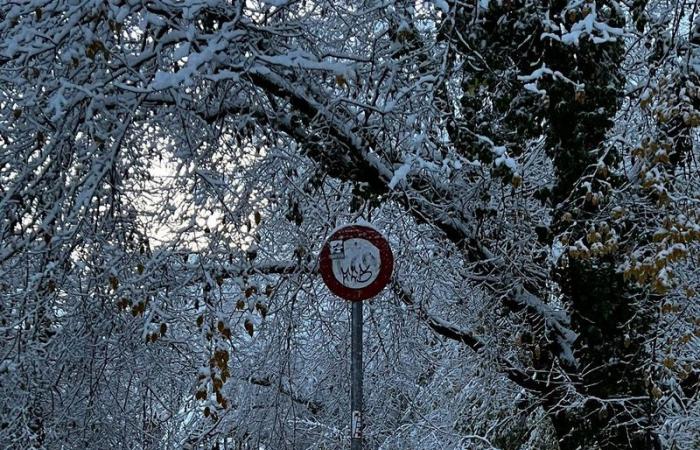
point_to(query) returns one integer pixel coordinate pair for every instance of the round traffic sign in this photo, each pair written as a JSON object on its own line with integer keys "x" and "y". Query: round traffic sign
{"x": 356, "y": 262}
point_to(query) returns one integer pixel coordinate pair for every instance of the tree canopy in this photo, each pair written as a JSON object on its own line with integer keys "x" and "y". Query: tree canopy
{"x": 170, "y": 168}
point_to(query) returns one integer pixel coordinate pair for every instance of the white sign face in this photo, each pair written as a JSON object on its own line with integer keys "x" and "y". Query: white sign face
{"x": 359, "y": 265}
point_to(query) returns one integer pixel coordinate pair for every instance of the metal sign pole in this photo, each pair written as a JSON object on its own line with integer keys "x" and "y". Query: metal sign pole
{"x": 356, "y": 378}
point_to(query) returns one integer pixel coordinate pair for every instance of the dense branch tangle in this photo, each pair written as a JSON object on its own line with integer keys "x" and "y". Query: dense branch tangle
{"x": 355, "y": 153}
{"x": 422, "y": 108}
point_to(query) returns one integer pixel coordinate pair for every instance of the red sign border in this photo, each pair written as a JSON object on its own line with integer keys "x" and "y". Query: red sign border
{"x": 385, "y": 269}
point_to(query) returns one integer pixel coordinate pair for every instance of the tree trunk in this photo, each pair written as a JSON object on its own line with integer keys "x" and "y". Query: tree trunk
{"x": 611, "y": 321}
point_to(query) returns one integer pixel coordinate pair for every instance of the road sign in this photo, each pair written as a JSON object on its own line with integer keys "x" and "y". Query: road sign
{"x": 356, "y": 262}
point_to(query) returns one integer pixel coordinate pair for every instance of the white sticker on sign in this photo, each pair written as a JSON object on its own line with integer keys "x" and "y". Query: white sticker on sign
{"x": 360, "y": 264}
{"x": 337, "y": 251}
